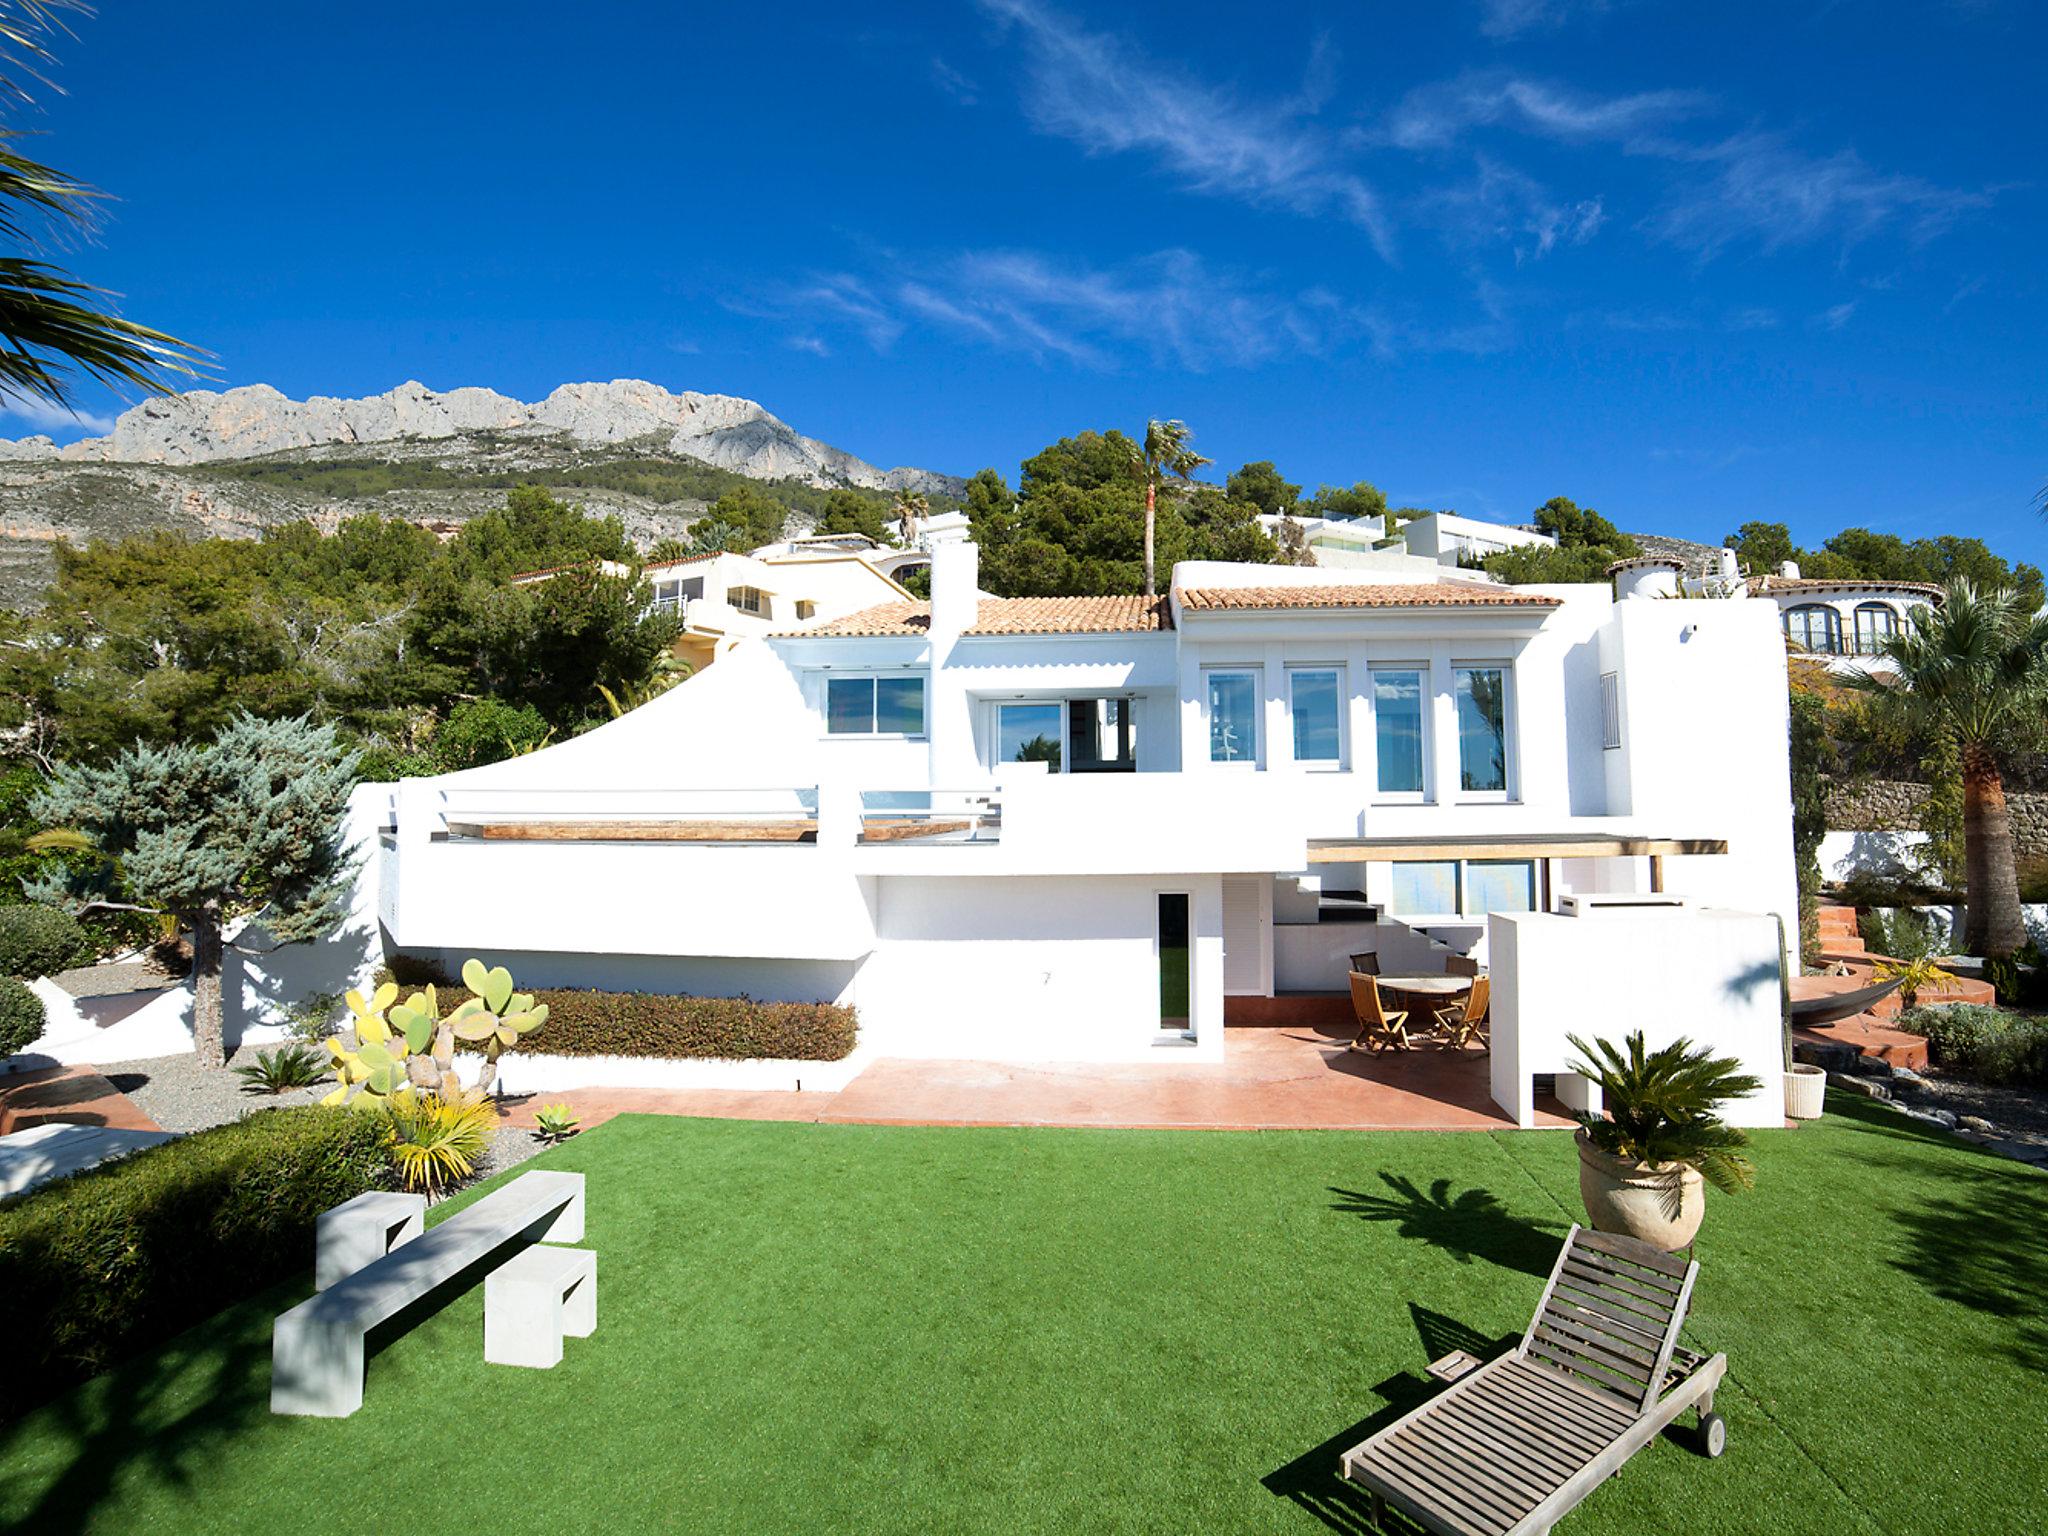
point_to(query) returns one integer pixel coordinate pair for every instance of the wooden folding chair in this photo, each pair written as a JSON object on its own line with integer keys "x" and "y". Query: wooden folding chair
{"x": 1367, "y": 964}
{"x": 1464, "y": 1022}
{"x": 1378, "y": 1028}
{"x": 1460, "y": 965}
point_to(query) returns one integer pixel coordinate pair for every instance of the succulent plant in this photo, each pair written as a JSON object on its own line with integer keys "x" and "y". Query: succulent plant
{"x": 376, "y": 1067}
{"x": 408, "y": 1045}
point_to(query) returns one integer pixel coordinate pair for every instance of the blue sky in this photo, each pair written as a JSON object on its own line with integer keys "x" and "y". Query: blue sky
{"x": 1688, "y": 264}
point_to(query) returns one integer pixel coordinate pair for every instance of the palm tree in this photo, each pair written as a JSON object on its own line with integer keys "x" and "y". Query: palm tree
{"x": 910, "y": 509}
{"x": 53, "y": 326}
{"x": 1976, "y": 667}
{"x": 1165, "y": 453}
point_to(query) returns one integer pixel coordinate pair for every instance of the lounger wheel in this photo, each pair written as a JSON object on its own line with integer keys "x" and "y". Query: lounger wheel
{"x": 1713, "y": 1434}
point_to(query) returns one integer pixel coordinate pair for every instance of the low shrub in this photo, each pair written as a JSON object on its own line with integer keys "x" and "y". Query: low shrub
{"x": 109, "y": 1262}
{"x": 41, "y": 941}
{"x": 654, "y": 1024}
{"x": 1904, "y": 933}
{"x": 1987, "y": 1044}
{"x": 21, "y": 1015}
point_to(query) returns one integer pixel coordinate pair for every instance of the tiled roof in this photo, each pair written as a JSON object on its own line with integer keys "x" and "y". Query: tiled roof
{"x": 1760, "y": 585}
{"x": 1421, "y": 594}
{"x": 662, "y": 565}
{"x": 1011, "y": 616}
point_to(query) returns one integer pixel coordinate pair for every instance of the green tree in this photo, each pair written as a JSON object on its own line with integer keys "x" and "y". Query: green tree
{"x": 911, "y": 509}
{"x": 1975, "y": 667}
{"x": 1262, "y": 486}
{"x": 1357, "y": 503}
{"x": 850, "y": 512}
{"x": 1576, "y": 527}
{"x": 535, "y": 532}
{"x": 248, "y": 823}
{"x": 1762, "y": 547}
{"x": 759, "y": 517}
{"x": 54, "y": 326}
{"x": 1165, "y": 456}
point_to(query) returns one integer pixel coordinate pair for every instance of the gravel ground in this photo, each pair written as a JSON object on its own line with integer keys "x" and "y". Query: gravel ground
{"x": 2018, "y": 1113}
{"x": 180, "y": 1095}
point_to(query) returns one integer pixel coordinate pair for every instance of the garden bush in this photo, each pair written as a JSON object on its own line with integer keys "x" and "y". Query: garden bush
{"x": 1987, "y": 1044}
{"x": 654, "y": 1024}
{"x": 104, "y": 1264}
{"x": 41, "y": 941}
{"x": 21, "y": 1015}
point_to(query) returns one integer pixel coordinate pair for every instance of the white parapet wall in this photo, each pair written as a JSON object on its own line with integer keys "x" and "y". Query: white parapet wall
{"x": 1708, "y": 974}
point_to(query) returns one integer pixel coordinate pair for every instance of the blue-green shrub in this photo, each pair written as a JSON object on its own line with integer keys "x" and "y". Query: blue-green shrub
{"x": 1988, "y": 1044}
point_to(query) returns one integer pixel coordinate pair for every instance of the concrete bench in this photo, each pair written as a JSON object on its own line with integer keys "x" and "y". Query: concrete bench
{"x": 316, "y": 1349}
{"x": 359, "y": 1232}
{"x": 531, "y": 1302}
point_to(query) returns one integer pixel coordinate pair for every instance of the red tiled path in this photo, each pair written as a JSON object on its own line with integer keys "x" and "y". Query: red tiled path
{"x": 70, "y": 1096}
{"x": 1277, "y": 1078}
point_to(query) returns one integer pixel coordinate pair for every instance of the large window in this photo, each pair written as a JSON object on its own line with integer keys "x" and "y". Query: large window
{"x": 1101, "y": 736}
{"x": 749, "y": 600}
{"x": 1029, "y": 733}
{"x": 1875, "y": 624}
{"x": 1233, "y": 717}
{"x": 670, "y": 596}
{"x": 1397, "y": 729}
{"x": 1814, "y": 628}
{"x": 1482, "y": 729}
{"x": 874, "y": 706}
{"x": 1468, "y": 888}
{"x": 1316, "y": 698}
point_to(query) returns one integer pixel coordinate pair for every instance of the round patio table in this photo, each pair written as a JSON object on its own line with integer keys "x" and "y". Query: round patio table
{"x": 1429, "y": 993}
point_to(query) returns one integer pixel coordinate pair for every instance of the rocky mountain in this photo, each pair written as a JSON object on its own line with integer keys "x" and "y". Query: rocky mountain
{"x": 234, "y": 462}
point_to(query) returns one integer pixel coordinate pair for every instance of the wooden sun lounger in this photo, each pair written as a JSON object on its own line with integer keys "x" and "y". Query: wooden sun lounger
{"x": 1515, "y": 1445}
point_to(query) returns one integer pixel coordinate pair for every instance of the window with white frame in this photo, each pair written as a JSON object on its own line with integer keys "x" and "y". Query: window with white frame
{"x": 1315, "y": 699}
{"x": 1234, "y": 715}
{"x": 671, "y": 596}
{"x": 1068, "y": 735}
{"x": 1029, "y": 732}
{"x": 874, "y": 706}
{"x": 749, "y": 600}
{"x": 1397, "y": 716}
{"x": 1813, "y": 627}
{"x": 1875, "y": 624}
{"x": 1482, "y": 700}
{"x": 1610, "y": 710}
{"x": 806, "y": 609}
{"x": 1463, "y": 887}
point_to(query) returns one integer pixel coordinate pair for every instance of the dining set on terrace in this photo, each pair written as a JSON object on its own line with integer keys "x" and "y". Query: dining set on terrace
{"x": 1447, "y": 1010}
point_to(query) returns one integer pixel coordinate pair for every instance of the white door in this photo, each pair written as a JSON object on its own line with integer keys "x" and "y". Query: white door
{"x": 1247, "y": 935}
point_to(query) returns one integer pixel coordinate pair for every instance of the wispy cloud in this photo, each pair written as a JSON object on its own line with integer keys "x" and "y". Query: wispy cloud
{"x": 1750, "y": 318}
{"x": 810, "y": 344}
{"x": 1511, "y": 18}
{"x": 1434, "y": 116}
{"x": 839, "y": 295}
{"x": 1107, "y": 95}
{"x": 1171, "y": 308}
{"x": 1834, "y": 317}
{"x": 1500, "y": 203}
{"x": 1965, "y": 290}
{"x": 46, "y": 417}
{"x": 954, "y": 84}
{"x": 1756, "y": 186}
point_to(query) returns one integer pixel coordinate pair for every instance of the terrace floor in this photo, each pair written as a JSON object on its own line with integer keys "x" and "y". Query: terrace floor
{"x": 1291, "y": 1077}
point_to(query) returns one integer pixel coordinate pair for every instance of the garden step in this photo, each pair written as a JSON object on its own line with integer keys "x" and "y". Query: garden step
{"x": 1867, "y": 1034}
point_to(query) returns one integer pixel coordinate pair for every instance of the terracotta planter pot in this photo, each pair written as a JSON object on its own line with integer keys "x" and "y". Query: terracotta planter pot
{"x": 1806, "y": 1092}
{"x": 1661, "y": 1205}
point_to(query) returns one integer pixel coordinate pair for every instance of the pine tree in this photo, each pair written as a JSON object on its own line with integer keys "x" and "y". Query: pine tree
{"x": 247, "y": 825}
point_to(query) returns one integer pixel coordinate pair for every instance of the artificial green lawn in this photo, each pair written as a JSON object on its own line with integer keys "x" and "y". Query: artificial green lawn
{"x": 842, "y": 1328}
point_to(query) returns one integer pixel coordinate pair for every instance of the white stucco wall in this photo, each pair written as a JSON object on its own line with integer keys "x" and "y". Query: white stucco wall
{"x": 1708, "y": 975}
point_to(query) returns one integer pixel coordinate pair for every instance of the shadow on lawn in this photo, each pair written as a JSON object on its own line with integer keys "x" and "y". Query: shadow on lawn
{"x": 1470, "y": 1225}
{"x": 1982, "y": 1242}
{"x": 163, "y": 1415}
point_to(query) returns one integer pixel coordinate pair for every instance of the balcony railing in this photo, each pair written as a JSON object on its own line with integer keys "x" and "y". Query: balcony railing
{"x": 631, "y": 815}
{"x": 927, "y": 816}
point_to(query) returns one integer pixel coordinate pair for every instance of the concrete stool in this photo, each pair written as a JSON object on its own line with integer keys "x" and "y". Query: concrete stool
{"x": 531, "y": 1301}
{"x": 359, "y": 1232}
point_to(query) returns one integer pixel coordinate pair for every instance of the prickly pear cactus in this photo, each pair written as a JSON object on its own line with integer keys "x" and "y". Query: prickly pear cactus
{"x": 496, "y": 1017}
{"x": 376, "y": 1069}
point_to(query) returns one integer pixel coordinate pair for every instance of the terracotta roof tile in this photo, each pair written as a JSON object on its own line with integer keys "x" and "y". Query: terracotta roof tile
{"x": 1010, "y": 616}
{"x": 1761, "y": 585}
{"x": 1421, "y": 594}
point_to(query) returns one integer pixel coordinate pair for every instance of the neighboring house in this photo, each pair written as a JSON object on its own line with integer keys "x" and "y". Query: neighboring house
{"x": 725, "y": 598}
{"x": 1453, "y": 540}
{"x": 1097, "y": 827}
{"x": 1844, "y": 621}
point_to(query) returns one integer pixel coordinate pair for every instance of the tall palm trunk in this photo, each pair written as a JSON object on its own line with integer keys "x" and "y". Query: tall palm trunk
{"x": 206, "y": 1011}
{"x": 1151, "y": 507}
{"x": 1992, "y": 923}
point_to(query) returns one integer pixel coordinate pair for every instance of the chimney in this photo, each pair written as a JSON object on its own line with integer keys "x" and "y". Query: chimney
{"x": 956, "y": 580}
{"x": 1730, "y": 571}
{"x": 1789, "y": 569}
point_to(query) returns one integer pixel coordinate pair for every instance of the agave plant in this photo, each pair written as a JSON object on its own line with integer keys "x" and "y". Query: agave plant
{"x": 436, "y": 1138}
{"x": 555, "y": 1122}
{"x": 1913, "y": 976}
{"x": 1661, "y": 1107}
{"x": 279, "y": 1071}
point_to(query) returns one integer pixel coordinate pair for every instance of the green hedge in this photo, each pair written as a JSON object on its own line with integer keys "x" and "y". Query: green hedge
{"x": 41, "y": 941}
{"x": 100, "y": 1266}
{"x": 22, "y": 1017}
{"x": 1987, "y": 1044}
{"x": 655, "y": 1024}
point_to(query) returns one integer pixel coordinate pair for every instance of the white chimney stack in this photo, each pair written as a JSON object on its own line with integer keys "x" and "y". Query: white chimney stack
{"x": 956, "y": 586}
{"x": 1789, "y": 569}
{"x": 1731, "y": 568}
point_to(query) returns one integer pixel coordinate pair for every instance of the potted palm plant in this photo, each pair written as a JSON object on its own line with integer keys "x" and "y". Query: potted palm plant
{"x": 1645, "y": 1164}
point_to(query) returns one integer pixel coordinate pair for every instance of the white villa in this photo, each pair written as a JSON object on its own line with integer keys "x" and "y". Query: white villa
{"x": 1047, "y": 829}
{"x": 1843, "y": 621}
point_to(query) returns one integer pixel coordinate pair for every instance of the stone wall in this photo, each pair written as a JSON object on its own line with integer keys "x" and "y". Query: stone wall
{"x": 1893, "y": 805}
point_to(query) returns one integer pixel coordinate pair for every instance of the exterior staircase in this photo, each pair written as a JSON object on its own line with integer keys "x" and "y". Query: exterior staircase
{"x": 1873, "y": 1033}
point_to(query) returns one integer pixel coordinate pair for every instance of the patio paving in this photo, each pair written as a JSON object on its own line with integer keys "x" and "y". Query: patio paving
{"x": 1272, "y": 1078}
